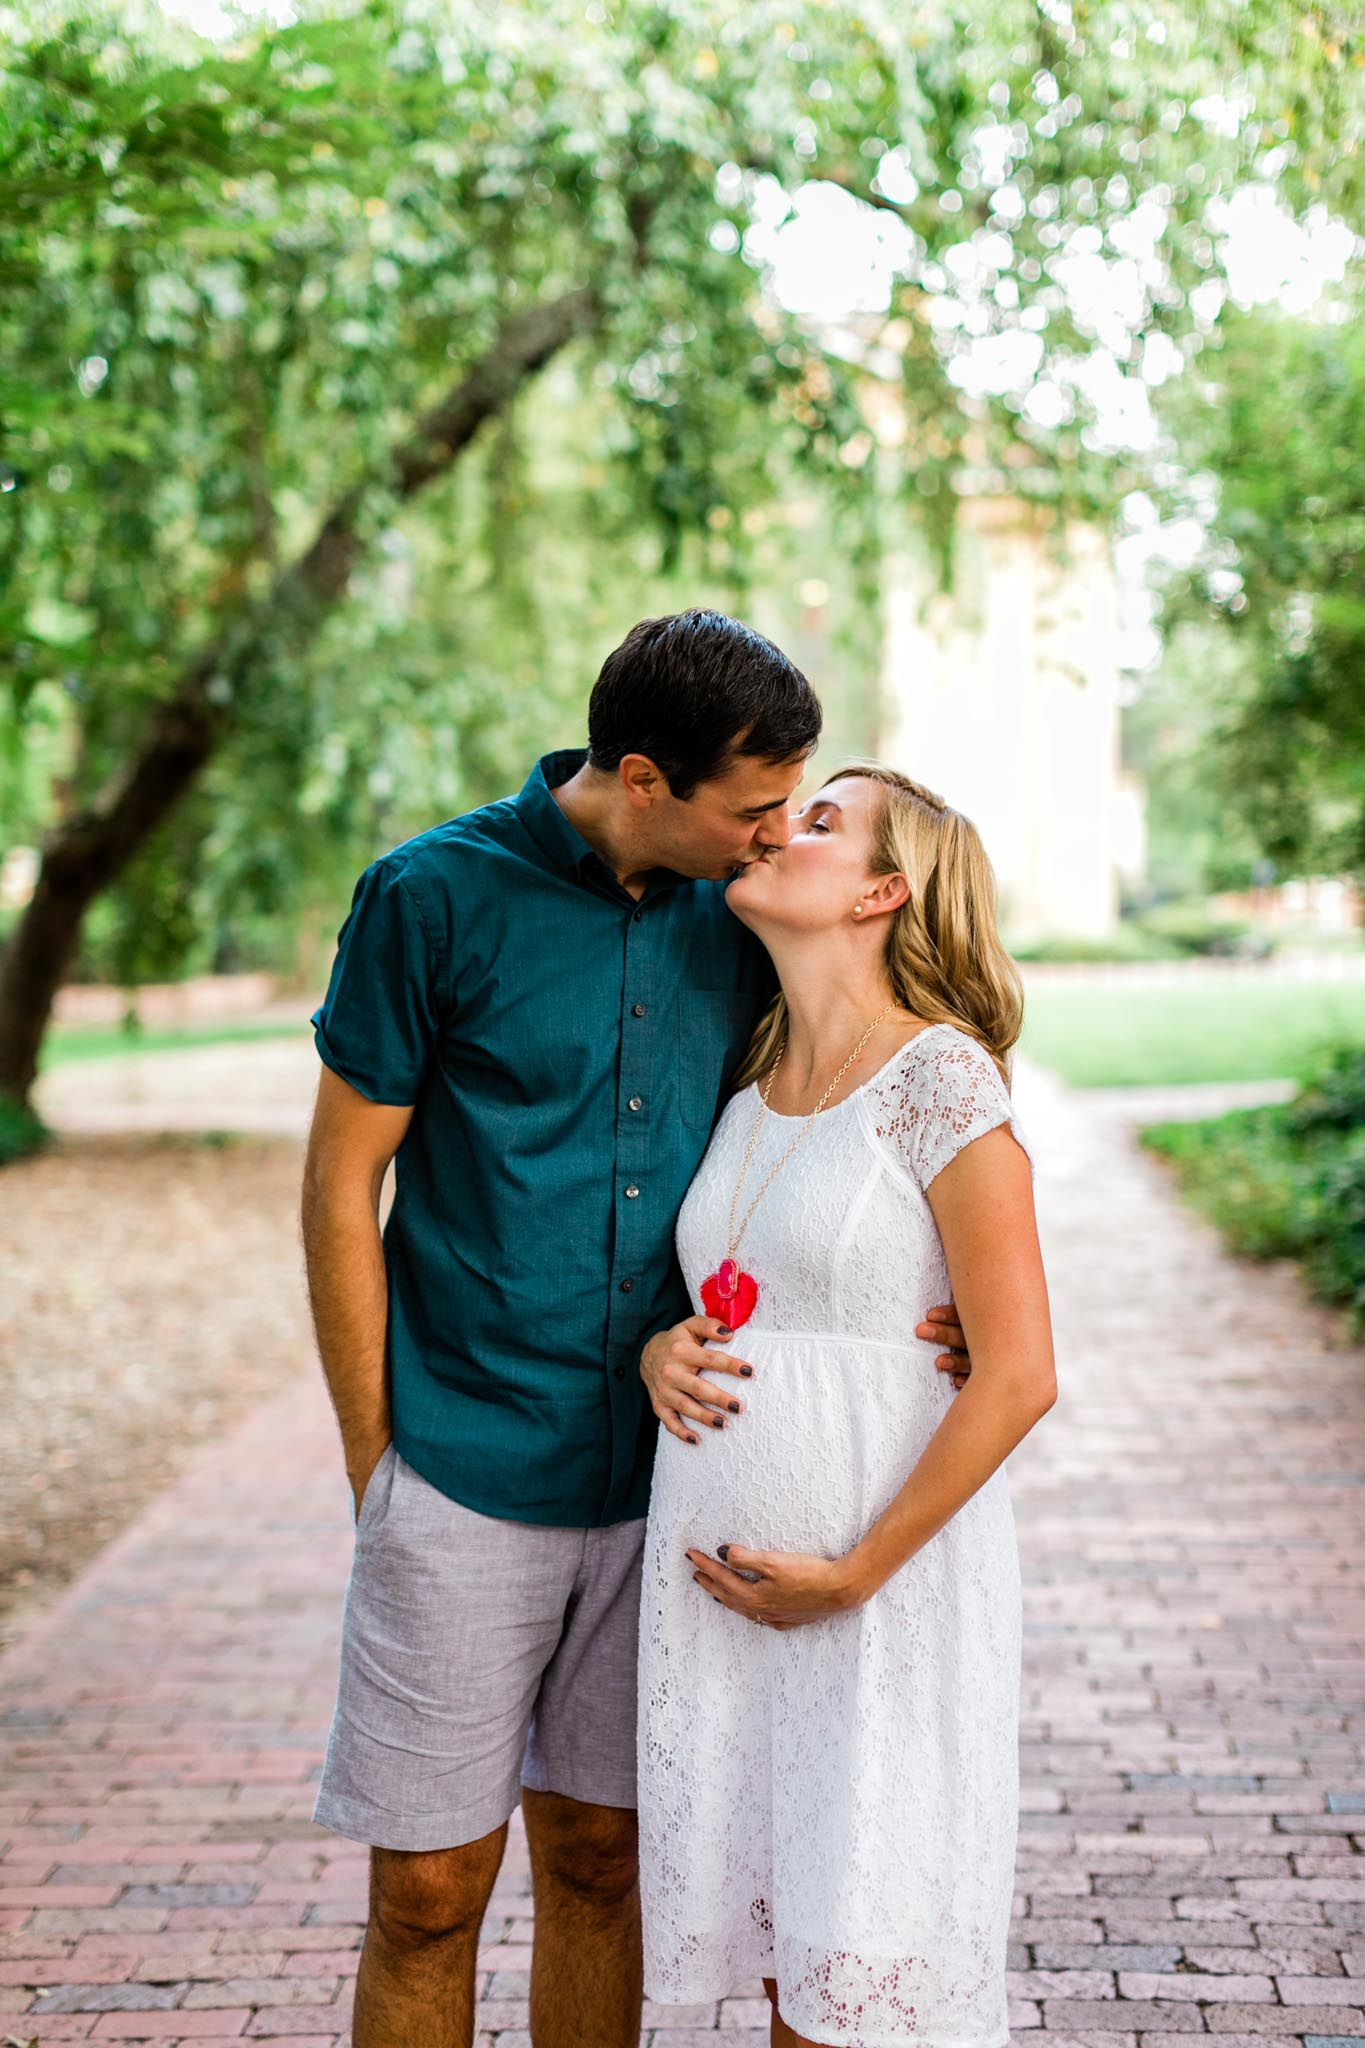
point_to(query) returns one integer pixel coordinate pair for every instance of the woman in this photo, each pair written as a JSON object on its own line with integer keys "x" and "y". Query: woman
{"x": 830, "y": 1639}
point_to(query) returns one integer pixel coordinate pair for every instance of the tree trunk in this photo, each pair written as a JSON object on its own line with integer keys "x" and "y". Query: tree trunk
{"x": 87, "y": 852}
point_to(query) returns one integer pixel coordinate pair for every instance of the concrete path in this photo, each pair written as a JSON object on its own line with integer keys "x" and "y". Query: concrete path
{"x": 1190, "y": 1517}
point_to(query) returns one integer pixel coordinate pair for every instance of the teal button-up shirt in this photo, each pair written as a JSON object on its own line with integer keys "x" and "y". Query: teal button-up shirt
{"x": 566, "y": 1049}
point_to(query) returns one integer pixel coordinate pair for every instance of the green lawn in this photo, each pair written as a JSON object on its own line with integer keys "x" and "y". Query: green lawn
{"x": 1097, "y": 1036}
{"x": 102, "y": 1041}
{"x": 1107, "y": 1036}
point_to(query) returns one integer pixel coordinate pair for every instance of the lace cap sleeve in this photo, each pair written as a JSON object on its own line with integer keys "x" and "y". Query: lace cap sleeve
{"x": 936, "y": 1099}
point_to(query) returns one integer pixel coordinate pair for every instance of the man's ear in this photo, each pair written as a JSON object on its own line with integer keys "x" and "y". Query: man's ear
{"x": 644, "y": 784}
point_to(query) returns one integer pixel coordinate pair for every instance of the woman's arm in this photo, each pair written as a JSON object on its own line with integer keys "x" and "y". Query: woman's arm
{"x": 982, "y": 1202}
{"x": 983, "y": 1206}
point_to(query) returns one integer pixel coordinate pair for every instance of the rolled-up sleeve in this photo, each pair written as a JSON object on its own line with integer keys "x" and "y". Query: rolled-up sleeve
{"x": 378, "y": 1023}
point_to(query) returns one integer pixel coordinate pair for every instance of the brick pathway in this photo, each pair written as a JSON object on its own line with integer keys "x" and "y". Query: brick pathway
{"x": 1190, "y": 1515}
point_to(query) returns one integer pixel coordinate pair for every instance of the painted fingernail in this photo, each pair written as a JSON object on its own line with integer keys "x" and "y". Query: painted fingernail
{"x": 734, "y": 1407}
{"x": 718, "y": 1421}
{"x": 723, "y": 1551}
{"x": 746, "y": 1372}
{"x": 725, "y": 1331}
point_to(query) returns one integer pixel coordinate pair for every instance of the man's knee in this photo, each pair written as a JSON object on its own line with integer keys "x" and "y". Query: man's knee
{"x": 419, "y": 1897}
{"x": 589, "y": 1851}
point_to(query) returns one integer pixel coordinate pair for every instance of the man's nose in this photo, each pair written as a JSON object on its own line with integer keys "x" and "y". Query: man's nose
{"x": 776, "y": 828}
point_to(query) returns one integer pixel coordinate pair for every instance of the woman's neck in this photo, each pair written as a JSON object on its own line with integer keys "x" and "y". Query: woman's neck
{"x": 831, "y": 1000}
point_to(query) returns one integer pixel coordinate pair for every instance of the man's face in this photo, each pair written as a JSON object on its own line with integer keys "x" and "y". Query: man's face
{"x": 726, "y": 823}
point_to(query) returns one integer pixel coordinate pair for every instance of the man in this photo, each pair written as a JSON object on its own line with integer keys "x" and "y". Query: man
{"x": 534, "y": 1007}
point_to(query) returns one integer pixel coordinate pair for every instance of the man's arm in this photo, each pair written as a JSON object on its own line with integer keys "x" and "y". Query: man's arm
{"x": 350, "y": 1145}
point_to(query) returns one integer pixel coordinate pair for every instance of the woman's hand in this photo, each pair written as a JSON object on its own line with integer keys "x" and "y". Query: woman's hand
{"x": 671, "y": 1366}
{"x": 786, "y": 1589}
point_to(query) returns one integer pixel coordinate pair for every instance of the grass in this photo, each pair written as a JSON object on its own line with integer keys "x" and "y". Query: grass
{"x": 66, "y": 1042}
{"x": 1109, "y": 1036}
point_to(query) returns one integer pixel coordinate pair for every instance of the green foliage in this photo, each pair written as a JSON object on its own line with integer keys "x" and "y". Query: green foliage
{"x": 1287, "y": 1181}
{"x": 1241, "y": 1172}
{"x": 1128, "y": 941}
{"x": 1333, "y": 1098}
{"x": 22, "y": 1132}
{"x": 1188, "y": 929}
{"x": 1277, "y": 417}
{"x": 1197, "y": 837}
{"x": 1336, "y": 1261}
{"x": 236, "y": 272}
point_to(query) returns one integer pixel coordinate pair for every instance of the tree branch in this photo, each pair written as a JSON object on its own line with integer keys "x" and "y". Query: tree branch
{"x": 87, "y": 851}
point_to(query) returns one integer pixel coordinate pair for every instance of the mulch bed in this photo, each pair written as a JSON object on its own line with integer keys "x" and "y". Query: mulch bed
{"x": 151, "y": 1290}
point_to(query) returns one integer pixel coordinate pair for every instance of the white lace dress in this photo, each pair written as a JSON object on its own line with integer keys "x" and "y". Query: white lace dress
{"x": 835, "y": 1806}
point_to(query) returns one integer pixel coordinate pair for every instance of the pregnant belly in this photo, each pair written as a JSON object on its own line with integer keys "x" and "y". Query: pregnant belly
{"x": 831, "y": 1429}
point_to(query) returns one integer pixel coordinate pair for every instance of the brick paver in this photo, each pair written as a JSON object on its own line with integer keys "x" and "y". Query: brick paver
{"x": 1194, "y": 1798}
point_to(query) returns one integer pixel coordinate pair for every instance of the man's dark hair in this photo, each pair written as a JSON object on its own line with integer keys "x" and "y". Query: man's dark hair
{"x": 694, "y": 690}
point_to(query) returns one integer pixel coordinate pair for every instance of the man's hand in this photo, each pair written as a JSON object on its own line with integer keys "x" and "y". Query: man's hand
{"x": 941, "y": 1326}
{"x": 671, "y": 1365}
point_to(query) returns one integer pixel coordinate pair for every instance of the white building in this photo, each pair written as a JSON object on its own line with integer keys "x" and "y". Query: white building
{"x": 1003, "y": 695}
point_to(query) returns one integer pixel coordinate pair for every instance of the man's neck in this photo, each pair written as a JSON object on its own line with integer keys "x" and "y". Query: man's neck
{"x": 591, "y": 803}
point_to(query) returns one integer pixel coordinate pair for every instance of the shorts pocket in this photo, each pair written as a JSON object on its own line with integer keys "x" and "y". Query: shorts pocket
{"x": 375, "y": 1503}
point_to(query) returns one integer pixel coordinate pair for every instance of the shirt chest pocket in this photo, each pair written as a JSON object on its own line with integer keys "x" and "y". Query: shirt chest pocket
{"x": 714, "y": 1026}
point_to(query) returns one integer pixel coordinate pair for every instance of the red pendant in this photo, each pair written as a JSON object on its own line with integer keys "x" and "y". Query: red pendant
{"x": 729, "y": 1295}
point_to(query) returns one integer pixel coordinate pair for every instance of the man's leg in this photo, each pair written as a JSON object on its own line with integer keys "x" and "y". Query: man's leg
{"x": 416, "y": 1984}
{"x": 586, "y": 1969}
{"x": 782, "y": 2035}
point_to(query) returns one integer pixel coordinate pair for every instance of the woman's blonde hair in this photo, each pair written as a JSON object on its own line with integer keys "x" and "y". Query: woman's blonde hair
{"x": 944, "y": 953}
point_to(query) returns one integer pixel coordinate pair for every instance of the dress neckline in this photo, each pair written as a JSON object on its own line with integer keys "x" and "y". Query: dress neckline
{"x": 854, "y": 1093}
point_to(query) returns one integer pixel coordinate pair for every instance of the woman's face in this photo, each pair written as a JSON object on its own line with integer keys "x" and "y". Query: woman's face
{"x": 813, "y": 882}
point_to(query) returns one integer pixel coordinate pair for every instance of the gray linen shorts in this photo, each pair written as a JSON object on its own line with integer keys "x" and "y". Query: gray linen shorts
{"x": 477, "y": 1655}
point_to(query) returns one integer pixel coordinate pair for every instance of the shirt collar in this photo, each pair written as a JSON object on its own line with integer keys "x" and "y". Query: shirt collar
{"x": 562, "y": 841}
{"x": 542, "y": 816}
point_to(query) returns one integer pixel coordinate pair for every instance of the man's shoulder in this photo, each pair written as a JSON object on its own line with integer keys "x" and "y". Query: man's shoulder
{"x": 433, "y": 856}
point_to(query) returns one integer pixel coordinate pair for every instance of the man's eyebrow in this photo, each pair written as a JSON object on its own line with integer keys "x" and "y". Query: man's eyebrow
{"x": 756, "y": 810}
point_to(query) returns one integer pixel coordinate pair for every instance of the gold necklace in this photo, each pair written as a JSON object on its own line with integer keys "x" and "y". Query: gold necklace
{"x": 729, "y": 1294}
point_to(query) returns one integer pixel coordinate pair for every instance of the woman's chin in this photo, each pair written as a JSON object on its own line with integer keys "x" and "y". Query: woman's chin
{"x": 748, "y": 890}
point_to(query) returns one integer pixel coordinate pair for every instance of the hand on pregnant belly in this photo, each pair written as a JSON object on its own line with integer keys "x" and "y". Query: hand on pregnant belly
{"x": 780, "y": 1588}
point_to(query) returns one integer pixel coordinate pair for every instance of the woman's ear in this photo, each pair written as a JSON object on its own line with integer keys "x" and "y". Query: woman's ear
{"x": 888, "y": 893}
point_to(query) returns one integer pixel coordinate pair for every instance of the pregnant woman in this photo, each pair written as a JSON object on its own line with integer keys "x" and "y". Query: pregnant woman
{"x": 830, "y": 1623}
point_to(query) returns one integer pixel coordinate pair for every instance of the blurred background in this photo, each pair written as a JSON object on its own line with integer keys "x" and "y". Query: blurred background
{"x": 368, "y": 370}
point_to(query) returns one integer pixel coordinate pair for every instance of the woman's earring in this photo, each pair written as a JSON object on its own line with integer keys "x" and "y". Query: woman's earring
{"x": 857, "y": 910}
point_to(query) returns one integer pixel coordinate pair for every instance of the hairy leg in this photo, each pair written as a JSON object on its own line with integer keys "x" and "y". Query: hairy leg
{"x": 416, "y": 1983}
{"x": 586, "y": 1967}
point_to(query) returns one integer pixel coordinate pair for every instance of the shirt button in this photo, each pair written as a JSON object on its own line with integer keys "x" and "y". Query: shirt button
{"x": 631, "y": 1193}
{"x": 637, "y": 1009}
{"x": 626, "y": 1286}
{"x": 620, "y": 1372}
{"x": 637, "y": 916}
{"x": 637, "y": 1102}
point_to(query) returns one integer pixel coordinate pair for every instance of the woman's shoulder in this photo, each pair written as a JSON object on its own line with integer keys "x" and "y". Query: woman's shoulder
{"x": 941, "y": 1090}
{"x": 936, "y": 1049}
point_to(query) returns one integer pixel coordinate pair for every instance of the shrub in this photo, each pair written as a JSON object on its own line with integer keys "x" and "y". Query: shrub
{"x": 1287, "y": 1180}
{"x": 1336, "y": 1261}
{"x": 1333, "y": 1097}
{"x": 21, "y": 1131}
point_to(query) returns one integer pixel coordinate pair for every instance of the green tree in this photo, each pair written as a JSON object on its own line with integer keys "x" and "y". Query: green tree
{"x": 1276, "y": 421}
{"x": 276, "y": 313}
